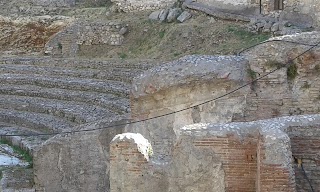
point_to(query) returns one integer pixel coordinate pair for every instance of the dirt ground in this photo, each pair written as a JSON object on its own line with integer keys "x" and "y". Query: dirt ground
{"x": 146, "y": 39}
{"x": 201, "y": 34}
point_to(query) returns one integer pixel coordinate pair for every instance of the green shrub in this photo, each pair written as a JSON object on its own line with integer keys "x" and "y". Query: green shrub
{"x": 292, "y": 71}
{"x": 21, "y": 152}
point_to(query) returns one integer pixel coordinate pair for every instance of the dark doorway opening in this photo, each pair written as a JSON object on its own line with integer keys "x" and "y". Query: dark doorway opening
{"x": 278, "y": 4}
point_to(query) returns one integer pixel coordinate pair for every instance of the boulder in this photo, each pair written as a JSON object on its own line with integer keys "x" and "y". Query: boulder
{"x": 155, "y": 15}
{"x": 173, "y": 14}
{"x": 123, "y": 30}
{"x": 275, "y": 27}
{"x": 184, "y": 16}
{"x": 267, "y": 27}
{"x": 163, "y": 14}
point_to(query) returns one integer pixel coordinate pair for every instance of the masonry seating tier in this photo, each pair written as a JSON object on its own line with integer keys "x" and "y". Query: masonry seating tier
{"x": 116, "y": 74}
{"x": 28, "y": 143}
{"x": 35, "y": 121}
{"x": 114, "y": 103}
{"x": 80, "y": 63}
{"x": 72, "y": 111}
{"x": 113, "y": 87}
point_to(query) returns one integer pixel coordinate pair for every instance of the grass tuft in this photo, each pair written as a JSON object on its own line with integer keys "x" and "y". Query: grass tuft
{"x": 21, "y": 152}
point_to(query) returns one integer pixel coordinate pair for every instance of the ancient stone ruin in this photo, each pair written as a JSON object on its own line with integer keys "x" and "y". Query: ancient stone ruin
{"x": 196, "y": 123}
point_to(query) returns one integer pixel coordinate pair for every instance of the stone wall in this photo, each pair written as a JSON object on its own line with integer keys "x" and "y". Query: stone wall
{"x": 254, "y": 156}
{"x": 66, "y": 43}
{"x": 141, "y": 5}
{"x": 54, "y": 3}
{"x": 302, "y": 10}
{"x": 77, "y": 161}
{"x": 305, "y": 144}
{"x": 181, "y": 84}
{"x": 284, "y": 92}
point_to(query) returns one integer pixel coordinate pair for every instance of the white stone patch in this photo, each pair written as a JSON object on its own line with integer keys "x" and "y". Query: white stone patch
{"x": 144, "y": 147}
{"x": 235, "y": 2}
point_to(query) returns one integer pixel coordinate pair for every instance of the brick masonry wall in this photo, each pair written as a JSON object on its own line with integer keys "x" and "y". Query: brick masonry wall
{"x": 239, "y": 160}
{"x": 232, "y": 157}
{"x": 129, "y": 163}
{"x": 272, "y": 177}
{"x": 127, "y": 166}
{"x": 305, "y": 144}
{"x": 279, "y": 94}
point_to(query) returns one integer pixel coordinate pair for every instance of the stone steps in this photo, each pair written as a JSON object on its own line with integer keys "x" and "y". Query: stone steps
{"x": 35, "y": 121}
{"x": 80, "y": 63}
{"x": 118, "y": 105}
{"x": 28, "y": 143}
{"x": 72, "y": 111}
{"x": 113, "y": 87}
{"x": 116, "y": 74}
{"x": 45, "y": 95}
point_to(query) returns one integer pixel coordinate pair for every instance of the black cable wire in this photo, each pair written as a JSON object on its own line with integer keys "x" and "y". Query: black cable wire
{"x": 306, "y": 176}
{"x": 290, "y": 62}
{"x": 275, "y": 40}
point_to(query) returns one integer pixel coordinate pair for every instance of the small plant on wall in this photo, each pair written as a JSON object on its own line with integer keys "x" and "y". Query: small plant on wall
{"x": 59, "y": 46}
{"x": 292, "y": 71}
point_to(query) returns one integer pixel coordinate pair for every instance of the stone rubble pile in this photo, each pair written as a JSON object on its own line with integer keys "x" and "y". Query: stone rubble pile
{"x": 170, "y": 15}
{"x": 271, "y": 25}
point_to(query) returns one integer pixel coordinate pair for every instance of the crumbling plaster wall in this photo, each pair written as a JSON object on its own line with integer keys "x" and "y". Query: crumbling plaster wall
{"x": 239, "y": 156}
{"x": 182, "y": 84}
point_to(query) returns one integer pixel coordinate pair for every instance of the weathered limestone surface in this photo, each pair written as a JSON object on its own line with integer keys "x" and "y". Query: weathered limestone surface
{"x": 182, "y": 84}
{"x": 246, "y": 156}
{"x": 78, "y": 161}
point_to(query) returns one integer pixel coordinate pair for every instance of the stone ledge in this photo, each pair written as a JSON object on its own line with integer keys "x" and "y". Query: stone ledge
{"x": 193, "y": 68}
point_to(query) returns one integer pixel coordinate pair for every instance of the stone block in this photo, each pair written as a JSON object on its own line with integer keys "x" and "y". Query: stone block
{"x": 173, "y": 14}
{"x": 185, "y": 15}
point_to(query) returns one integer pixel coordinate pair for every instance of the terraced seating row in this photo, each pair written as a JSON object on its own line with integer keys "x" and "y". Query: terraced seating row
{"x": 105, "y": 100}
{"x": 101, "y": 86}
{"x": 45, "y": 95}
{"x": 117, "y": 74}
